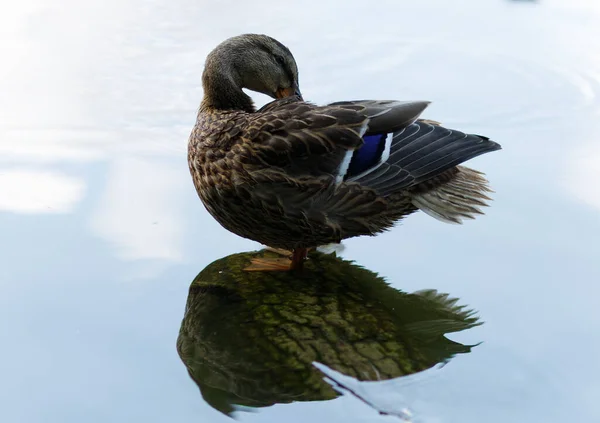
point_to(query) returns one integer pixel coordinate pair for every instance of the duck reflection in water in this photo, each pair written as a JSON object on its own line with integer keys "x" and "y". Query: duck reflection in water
{"x": 255, "y": 339}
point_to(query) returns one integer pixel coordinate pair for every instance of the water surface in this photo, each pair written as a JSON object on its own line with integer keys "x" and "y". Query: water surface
{"x": 103, "y": 233}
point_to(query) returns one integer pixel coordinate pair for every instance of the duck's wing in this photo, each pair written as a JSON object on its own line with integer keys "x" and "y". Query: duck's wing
{"x": 305, "y": 139}
{"x": 386, "y": 163}
{"x": 383, "y": 147}
{"x": 413, "y": 155}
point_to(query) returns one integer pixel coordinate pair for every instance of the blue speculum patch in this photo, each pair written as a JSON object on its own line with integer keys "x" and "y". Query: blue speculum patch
{"x": 368, "y": 155}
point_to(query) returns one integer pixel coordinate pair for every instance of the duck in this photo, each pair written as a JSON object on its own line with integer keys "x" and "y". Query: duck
{"x": 293, "y": 175}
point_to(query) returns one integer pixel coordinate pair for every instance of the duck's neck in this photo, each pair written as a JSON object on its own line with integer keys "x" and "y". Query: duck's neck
{"x": 223, "y": 92}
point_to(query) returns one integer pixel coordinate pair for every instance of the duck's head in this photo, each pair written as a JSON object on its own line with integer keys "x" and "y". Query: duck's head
{"x": 256, "y": 62}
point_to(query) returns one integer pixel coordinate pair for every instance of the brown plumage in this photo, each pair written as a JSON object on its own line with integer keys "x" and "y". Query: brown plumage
{"x": 294, "y": 175}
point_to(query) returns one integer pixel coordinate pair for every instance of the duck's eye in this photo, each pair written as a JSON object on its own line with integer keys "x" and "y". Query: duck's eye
{"x": 280, "y": 60}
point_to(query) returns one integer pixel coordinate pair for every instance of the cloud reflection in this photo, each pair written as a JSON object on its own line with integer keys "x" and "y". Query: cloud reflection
{"x": 76, "y": 93}
{"x": 137, "y": 211}
{"x": 30, "y": 191}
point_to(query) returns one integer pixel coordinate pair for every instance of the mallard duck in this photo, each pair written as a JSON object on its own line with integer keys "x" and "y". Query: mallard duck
{"x": 293, "y": 175}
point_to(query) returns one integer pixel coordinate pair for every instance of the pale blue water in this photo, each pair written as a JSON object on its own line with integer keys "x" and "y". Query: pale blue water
{"x": 102, "y": 232}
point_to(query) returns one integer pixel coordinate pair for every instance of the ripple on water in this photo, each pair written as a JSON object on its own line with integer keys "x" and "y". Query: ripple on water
{"x": 490, "y": 88}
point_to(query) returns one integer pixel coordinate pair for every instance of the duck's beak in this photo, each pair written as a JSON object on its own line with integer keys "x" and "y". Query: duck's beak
{"x": 288, "y": 92}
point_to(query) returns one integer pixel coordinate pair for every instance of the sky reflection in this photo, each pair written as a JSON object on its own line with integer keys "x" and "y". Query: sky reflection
{"x": 103, "y": 231}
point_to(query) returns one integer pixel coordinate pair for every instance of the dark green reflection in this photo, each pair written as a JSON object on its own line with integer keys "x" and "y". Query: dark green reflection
{"x": 250, "y": 338}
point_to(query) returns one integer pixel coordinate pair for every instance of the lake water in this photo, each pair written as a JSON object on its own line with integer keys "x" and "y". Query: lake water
{"x": 103, "y": 234}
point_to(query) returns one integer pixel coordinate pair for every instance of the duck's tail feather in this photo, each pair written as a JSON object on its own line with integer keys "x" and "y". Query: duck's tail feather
{"x": 459, "y": 198}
